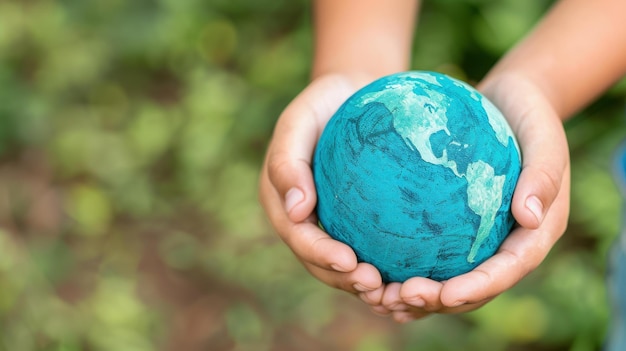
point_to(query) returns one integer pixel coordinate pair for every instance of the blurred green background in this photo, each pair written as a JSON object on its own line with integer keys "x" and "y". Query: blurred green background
{"x": 131, "y": 137}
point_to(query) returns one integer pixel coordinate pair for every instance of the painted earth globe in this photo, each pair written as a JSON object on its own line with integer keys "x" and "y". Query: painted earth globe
{"x": 416, "y": 173}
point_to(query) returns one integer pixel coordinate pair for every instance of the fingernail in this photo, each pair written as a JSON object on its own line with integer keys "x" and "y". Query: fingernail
{"x": 458, "y": 303}
{"x": 293, "y": 197}
{"x": 338, "y": 268}
{"x": 417, "y": 302}
{"x": 535, "y": 206}
{"x": 361, "y": 288}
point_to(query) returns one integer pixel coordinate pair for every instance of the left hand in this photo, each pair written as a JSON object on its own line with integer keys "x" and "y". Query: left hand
{"x": 540, "y": 206}
{"x": 287, "y": 190}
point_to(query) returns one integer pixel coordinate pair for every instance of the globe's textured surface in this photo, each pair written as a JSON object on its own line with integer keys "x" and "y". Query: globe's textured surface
{"x": 416, "y": 172}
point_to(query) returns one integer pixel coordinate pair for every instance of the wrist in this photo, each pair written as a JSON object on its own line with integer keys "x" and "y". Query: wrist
{"x": 513, "y": 90}
{"x": 357, "y": 76}
{"x": 352, "y": 79}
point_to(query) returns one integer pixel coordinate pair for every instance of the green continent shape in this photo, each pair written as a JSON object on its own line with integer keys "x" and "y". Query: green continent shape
{"x": 484, "y": 197}
{"x": 401, "y": 100}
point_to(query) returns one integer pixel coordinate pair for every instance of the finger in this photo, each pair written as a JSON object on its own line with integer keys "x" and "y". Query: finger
{"x": 391, "y": 298}
{"x": 363, "y": 278}
{"x": 495, "y": 275}
{"x": 424, "y": 296}
{"x": 308, "y": 242}
{"x": 543, "y": 144}
{"x": 288, "y": 166}
{"x": 422, "y": 293}
{"x": 373, "y": 297}
{"x": 295, "y": 136}
{"x": 404, "y": 317}
{"x": 464, "y": 308}
{"x": 380, "y": 310}
{"x": 542, "y": 172}
{"x": 519, "y": 254}
{"x": 314, "y": 246}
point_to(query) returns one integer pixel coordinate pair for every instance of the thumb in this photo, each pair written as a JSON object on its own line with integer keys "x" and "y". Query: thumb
{"x": 295, "y": 136}
{"x": 546, "y": 162}
{"x": 542, "y": 140}
{"x": 289, "y": 158}
{"x": 291, "y": 176}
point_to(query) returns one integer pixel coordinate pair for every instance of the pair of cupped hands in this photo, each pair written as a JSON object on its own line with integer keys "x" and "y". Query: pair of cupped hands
{"x": 540, "y": 202}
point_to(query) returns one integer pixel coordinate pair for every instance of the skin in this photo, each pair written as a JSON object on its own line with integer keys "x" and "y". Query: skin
{"x": 574, "y": 54}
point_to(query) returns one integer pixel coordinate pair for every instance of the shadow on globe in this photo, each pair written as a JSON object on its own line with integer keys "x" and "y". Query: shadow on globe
{"x": 416, "y": 172}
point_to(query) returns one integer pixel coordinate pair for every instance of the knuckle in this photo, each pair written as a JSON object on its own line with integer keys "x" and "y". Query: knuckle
{"x": 277, "y": 163}
{"x": 546, "y": 178}
{"x": 281, "y": 167}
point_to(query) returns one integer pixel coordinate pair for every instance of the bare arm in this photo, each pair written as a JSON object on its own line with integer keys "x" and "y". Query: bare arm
{"x": 363, "y": 37}
{"x": 574, "y": 54}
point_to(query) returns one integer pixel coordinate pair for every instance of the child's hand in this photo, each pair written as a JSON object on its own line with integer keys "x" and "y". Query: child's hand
{"x": 287, "y": 191}
{"x": 288, "y": 195}
{"x": 540, "y": 205}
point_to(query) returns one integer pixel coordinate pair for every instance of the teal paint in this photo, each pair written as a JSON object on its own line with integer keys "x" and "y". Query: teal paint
{"x": 416, "y": 172}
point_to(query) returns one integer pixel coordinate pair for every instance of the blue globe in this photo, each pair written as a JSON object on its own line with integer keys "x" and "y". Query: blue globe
{"x": 416, "y": 172}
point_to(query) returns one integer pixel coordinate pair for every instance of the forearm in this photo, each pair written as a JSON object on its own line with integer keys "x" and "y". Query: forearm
{"x": 574, "y": 54}
{"x": 363, "y": 37}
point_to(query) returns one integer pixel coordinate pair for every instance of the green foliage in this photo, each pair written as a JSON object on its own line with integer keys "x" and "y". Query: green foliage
{"x": 131, "y": 136}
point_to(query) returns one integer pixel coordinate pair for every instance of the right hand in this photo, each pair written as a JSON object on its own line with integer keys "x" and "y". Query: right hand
{"x": 540, "y": 205}
{"x": 287, "y": 190}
